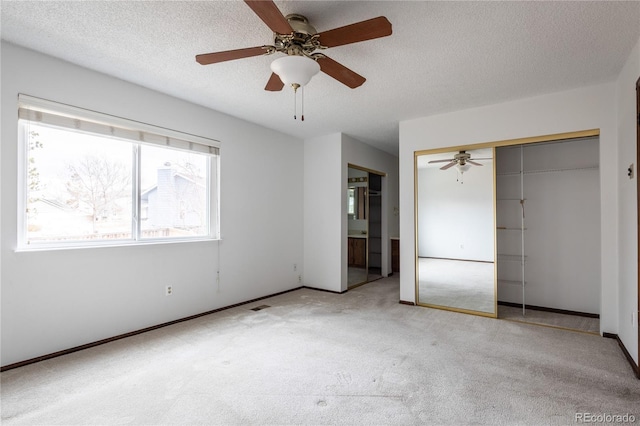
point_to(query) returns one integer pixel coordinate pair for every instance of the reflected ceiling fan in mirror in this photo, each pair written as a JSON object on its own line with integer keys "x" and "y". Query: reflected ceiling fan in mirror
{"x": 461, "y": 160}
{"x": 299, "y": 40}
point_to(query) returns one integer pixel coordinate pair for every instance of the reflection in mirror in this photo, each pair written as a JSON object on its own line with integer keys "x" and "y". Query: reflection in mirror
{"x": 456, "y": 230}
{"x": 357, "y": 202}
{"x": 357, "y": 226}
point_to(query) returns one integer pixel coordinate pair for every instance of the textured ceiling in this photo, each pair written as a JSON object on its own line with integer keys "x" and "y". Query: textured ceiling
{"x": 441, "y": 57}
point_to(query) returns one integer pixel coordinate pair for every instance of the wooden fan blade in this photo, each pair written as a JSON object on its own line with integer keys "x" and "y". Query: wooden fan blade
{"x": 360, "y": 31}
{"x": 477, "y": 159}
{"x": 270, "y": 15}
{"x": 440, "y": 161}
{"x": 341, "y": 73}
{"x": 451, "y": 164}
{"x": 474, "y": 163}
{"x": 229, "y": 55}
{"x": 274, "y": 84}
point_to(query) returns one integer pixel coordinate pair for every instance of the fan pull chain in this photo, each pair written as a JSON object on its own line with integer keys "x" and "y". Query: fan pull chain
{"x": 295, "y": 100}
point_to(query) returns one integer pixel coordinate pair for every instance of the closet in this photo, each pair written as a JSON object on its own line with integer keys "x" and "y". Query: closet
{"x": 375, "y": 226}
{"x": 548, "y": 226}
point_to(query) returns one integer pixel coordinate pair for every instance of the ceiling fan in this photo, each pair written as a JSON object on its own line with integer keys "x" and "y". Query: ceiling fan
{"x": 295, "y": 37}
{"x": 462, "y": 160}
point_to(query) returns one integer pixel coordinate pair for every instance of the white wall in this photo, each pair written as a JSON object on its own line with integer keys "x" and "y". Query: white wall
{"x": 323, "y": 212}
{"x": 326, "y": 227}
{"x": 54, "y": 300}
{"x": 359, "y": 154}
{"x": 580, "y": 109}
{"x": 627, "y": 197}
{"x": 455, "y": 220}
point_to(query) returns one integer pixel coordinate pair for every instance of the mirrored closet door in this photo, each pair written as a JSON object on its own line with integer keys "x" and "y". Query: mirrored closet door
{"x": 364, "y": 224}
{"x": 455, "y": 222}
{"x": 358, "y": 227}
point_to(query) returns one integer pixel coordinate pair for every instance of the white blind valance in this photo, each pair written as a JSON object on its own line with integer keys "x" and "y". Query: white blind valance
{"x": 61, "y": 115}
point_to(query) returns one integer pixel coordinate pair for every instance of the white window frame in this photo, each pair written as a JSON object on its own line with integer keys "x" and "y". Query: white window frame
{"x": 45, "y": 112}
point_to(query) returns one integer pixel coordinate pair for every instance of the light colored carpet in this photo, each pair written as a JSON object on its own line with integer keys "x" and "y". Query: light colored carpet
{"x": 532, "y": 316}
{"x": 457, "y": 284}
{"x": 321, "y": 358}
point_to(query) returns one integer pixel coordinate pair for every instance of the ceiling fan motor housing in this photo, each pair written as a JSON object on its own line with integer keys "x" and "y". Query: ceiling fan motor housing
{"x": 302, "y": 41}
{"x": 462, "y": 157}
{"x": 301, "y": 25}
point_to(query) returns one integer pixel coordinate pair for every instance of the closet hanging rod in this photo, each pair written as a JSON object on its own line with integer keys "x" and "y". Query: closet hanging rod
{"x": 567, "y": 169}
{"x": 511, "y": 257}
{"x": 512, "y": 282}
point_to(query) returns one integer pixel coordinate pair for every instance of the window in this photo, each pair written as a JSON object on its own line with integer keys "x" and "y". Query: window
{"x": 351, "y": 209}
{"x": 90, "y": 179}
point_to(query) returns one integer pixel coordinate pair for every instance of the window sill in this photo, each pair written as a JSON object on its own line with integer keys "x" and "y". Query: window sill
{"x": 115, "y": 244}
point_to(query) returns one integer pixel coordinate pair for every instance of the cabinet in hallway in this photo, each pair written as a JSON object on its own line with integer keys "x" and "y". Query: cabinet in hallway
{"x": 395, "y": 255}
{"x": 357, "y": 252}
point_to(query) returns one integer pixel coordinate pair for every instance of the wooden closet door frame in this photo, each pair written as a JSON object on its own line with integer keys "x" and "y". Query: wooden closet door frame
{"x": 638, "y": 207}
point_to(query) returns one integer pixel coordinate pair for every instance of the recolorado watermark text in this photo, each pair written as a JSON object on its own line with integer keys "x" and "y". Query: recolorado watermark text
{"x": 604, "y": 418}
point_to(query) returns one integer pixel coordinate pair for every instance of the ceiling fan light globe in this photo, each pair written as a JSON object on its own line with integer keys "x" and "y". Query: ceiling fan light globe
{"x": 463, "y": 167}
{"x": 295, "y": 69}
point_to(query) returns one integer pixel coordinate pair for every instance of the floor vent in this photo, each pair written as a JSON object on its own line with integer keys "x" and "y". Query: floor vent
{"x": 259, "y": 308}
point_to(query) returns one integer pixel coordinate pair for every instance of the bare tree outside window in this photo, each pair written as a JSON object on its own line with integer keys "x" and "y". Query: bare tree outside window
{"x": 33, "y": 175}
{"x": 97, "y": 183}
{"x": 191, "y": 198}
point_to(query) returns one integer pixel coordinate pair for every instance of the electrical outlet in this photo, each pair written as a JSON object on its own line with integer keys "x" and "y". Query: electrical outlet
{"x": 299, "y": 278}
{"x": 295, "y": 267}
{"x": 630, "y": 171}
{"x": 169, "y": 291}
